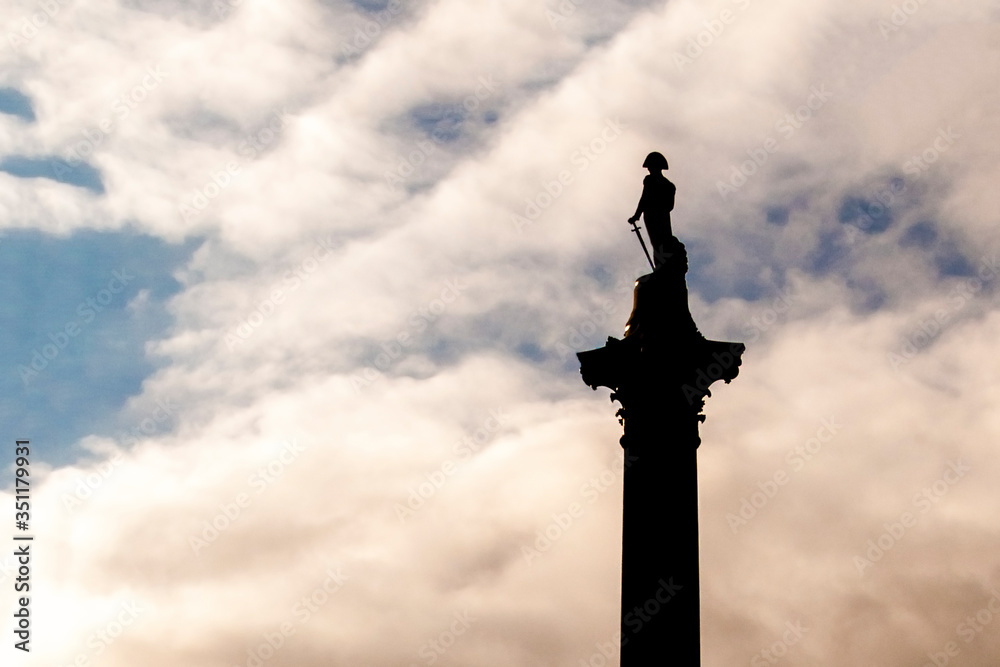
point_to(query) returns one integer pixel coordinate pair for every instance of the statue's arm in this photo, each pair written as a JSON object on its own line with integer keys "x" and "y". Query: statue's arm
{"x": 642, "y": 203}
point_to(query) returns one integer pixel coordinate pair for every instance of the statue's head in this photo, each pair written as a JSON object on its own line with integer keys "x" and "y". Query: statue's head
{"x": 655, "y": 161}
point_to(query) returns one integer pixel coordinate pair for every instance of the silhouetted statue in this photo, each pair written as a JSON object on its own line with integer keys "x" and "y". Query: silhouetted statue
{"x": 660, "y": 372}
{"x": 655, "y": 205}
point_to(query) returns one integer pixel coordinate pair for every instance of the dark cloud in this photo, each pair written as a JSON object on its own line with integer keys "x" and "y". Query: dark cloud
{"x": 922, "y": 234}
{"x": 440, "y": 122}
{"x": 778, "y": 215}
{"x": 868, "y": 215}
{"x": 951, "y": 261}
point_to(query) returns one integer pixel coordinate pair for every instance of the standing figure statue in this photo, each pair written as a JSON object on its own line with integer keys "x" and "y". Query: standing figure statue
{"x": 655, "y": 205}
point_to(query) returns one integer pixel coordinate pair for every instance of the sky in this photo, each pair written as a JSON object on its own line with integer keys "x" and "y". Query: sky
{"x": 293, "y": 292}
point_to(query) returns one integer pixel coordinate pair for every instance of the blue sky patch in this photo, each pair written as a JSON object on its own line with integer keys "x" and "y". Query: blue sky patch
{"x": 778, "y": 215}
{"x": 54, "y": 168}
{"x": 531, "y": 352}
{"x": 950, "y": 261}
{"x": 441, "y": 122}
{"x": 871, "y": 217}
{"x": 830, "y": 253}
{"x": 867, "y": 295}
{"x": 16, "y": 103}
{"x": 370, "y": 5}
{"x": 922, "y": 234}
{"x": 601, "y": 274}
{"x": 71, "y": 346}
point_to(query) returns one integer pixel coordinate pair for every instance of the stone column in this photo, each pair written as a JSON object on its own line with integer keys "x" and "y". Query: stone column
{"x": 661, "y": 373}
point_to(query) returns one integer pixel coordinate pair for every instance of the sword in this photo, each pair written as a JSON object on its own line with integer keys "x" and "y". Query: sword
{"x": 635, "y": 228}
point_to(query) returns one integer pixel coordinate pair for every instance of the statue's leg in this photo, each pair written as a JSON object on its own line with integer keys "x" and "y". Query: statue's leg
{"x": 659, "y": 234}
